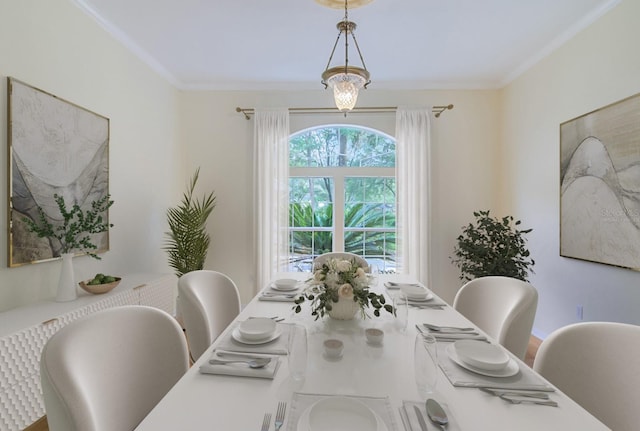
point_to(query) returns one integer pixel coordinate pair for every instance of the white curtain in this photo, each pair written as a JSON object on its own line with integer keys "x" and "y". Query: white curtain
{"x": 271, "y": 193}
{"x": 413, "y": 148}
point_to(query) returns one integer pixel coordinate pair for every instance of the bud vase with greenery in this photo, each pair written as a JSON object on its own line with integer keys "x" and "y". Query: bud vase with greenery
{"x": 72, "y": 235}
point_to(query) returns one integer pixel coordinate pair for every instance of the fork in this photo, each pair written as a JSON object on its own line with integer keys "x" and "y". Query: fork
{"x": 530, "y": 401}
{"x": 282, "y": 407}
{"x": 266, "y": 422}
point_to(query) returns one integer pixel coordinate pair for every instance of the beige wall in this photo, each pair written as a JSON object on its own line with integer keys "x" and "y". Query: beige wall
{"x": 54, "y": 46}
{"x": 464, "y": 167}
{"x": 498, "y": 150}
{"x": 597, "y": 67}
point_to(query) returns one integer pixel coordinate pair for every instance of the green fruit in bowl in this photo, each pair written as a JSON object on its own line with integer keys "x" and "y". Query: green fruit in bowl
{"x": 108, "y": 279}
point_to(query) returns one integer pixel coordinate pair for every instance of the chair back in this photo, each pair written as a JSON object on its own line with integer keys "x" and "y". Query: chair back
{"x": 360, "y": 261}
{"x": 597, "y": 364}
{"x": 209, "y": 301}
{"x": 106, "y": 371}
{"x": 503, "y": 307}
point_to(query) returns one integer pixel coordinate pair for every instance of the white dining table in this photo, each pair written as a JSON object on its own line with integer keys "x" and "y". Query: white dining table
{"x": 219, "y": 402}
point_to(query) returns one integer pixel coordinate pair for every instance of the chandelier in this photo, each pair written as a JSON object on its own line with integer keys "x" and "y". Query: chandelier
{"x": 346, "y": 80}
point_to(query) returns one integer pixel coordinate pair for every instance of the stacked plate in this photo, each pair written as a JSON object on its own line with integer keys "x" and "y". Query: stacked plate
{"x": 285, "y": 284}
{"x": 415, "y": 292}
{"x": 483, "y": 358}
{"x": 258, "y": 330}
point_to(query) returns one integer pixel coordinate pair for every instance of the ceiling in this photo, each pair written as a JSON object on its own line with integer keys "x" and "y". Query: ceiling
{"x": 285, "y": 44}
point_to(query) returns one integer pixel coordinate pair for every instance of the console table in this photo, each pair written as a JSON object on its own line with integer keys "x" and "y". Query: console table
{"x": 25, "y": 330}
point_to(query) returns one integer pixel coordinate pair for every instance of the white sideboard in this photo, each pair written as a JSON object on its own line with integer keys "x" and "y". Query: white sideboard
{"x": 24, "y": 332}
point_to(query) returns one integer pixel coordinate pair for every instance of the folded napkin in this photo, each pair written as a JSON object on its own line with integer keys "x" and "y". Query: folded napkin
{"x": 302, "y": 401}
{"x": 525, "y": 379}
{"x": 275, "y": 347}
{"x": 240, "y": 369}
{"x": 410, "y": 421}
{"x": 394, "y": 285}
{"x": 276, "y": 298}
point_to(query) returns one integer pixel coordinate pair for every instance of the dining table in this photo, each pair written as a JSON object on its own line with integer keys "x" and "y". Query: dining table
{"x": 379, "y": 376}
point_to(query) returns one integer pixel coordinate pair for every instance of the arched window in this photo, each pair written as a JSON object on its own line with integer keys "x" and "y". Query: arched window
{"x": 342, "y": 195}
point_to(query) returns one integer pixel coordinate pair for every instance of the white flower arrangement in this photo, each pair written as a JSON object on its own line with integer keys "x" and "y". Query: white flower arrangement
{"x": 340, "y": 279}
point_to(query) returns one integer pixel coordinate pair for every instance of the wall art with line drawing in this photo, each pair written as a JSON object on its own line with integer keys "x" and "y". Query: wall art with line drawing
{"x": 55, "y": 147}
{"x": 600, "y": 185}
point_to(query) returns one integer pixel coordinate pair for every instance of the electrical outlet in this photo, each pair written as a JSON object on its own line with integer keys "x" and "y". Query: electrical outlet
{"x": 579, "y": 312}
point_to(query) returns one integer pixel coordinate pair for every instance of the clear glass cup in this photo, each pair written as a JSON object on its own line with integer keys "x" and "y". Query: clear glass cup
{"x": 297, "y": 351}
{"x": 401, "y": 307}
{"x": 425, "y": 358}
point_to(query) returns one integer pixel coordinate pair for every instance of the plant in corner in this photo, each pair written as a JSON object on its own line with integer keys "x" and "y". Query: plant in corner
{"x": 187, "y": 240}
{"x": 74, "y": 234}
{"x": 492, "y": 246}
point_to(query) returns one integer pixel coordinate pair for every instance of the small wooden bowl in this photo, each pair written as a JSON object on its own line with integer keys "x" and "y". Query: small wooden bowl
{"x": 98, "y": 289}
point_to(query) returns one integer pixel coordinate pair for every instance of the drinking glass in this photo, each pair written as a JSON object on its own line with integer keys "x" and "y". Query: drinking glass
{"x": 297, "y": 351}
{"x": 401, "y": 307}
{"x": 425, "y": 358}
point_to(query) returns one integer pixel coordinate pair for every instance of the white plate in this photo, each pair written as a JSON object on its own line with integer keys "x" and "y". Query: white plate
{"x": 481, "y": 355}
{"x": 338, "y": 414}
{"x": 414, "y": 292}
{"x": 285, "y": 287}
{"x": 510, "y": 370}
{"x": 235, "y": 334}
{"x": 257, "y": 329}
{"x": 427, "y": 298}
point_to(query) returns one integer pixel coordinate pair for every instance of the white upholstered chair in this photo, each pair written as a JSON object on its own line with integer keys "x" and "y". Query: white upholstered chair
{"x": 597, "y": 364}
{"x": 320, "y": 260}
{"x": 503, "y": 307}
{"x": 106, "y": 371}
{"x": 209, "y": 301}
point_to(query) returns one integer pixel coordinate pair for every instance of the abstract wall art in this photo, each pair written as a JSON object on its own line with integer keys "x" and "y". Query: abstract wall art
{"x": 55, "y": 147}
{"x": 600, "y": 185}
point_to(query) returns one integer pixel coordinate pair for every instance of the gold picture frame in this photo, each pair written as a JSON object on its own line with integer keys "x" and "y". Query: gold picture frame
{"x": 600, "y": 185}
{"x": 55, "y": 147}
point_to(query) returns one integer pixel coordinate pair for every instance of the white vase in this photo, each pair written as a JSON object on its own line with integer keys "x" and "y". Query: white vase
{"x": 344, "y": 309}
{"x": 67, "y": 289}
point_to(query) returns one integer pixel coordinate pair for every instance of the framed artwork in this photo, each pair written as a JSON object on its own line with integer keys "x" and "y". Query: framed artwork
{"x": 600, "y": 185}
{"x": 55, "y": 147}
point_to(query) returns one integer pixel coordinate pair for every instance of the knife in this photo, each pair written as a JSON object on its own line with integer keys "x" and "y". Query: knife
{"x": 423, "y": 424}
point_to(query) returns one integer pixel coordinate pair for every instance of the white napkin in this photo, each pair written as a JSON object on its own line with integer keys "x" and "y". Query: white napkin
{"x": 526, "y": 378}
{"x": 275, "y": 347}
{"x": 410, "y": 421}
{"x": 280, "y": 297}
{"x": 393, "y": 285}
{"x": 240, "y": 369}
{"x": 300, "y": 402}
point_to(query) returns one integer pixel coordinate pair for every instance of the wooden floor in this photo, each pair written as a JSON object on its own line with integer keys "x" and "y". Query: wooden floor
{"x": 532, "y": 349}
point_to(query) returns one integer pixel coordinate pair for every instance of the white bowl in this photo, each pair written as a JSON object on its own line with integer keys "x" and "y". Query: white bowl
{"x": 413, "y": 291}
{"x": 374, "y": 335}
{"x": 258, "y": 328}
{"x": 333, "y": 348}
{"x": 286, "y": 283}
{"x": 481, "y": 355}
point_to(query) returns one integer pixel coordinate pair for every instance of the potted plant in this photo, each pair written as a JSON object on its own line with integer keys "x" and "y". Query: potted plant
{"x": 493, "y": 246}
{"x": 187, "y": 240}
{"x": 72, "y": 235}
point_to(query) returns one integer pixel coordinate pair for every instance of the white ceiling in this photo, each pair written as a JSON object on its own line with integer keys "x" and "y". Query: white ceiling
{"x": 285, "y": 44}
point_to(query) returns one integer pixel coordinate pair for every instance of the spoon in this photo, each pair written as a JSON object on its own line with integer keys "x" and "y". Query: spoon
{"x": 436, "y": 413}
{"x": 252, "y": 363}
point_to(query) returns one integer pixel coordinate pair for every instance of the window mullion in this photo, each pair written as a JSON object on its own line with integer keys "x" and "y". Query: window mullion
{"x": 338, "y": 212}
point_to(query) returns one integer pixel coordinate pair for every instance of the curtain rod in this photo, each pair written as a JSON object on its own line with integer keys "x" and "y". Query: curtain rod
{"x": 437, "y": 110}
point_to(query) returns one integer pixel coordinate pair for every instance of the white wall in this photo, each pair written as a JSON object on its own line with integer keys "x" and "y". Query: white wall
{"x": 54, "y": 46}
{"x": 464, "y": 166}
{"x": 597, "y": 67}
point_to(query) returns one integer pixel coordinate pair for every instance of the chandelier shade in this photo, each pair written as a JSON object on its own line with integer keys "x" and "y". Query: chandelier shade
{"x": 346, "y": 80}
